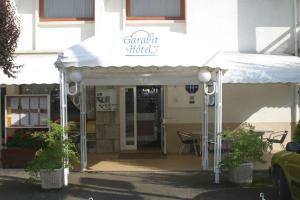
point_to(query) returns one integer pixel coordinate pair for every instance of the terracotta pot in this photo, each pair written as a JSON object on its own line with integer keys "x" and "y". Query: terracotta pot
{"x": 14, "y": 157}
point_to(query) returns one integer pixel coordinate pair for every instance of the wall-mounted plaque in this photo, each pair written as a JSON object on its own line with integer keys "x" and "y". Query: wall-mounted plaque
{"x": 106, "y": 100}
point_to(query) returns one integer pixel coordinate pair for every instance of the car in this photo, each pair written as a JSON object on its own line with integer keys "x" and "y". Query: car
{"x": 285, "y": 172}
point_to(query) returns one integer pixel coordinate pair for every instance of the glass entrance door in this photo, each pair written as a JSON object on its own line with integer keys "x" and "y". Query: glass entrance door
{"x": 142, "y": 118}
{"x": 129, "y": 136}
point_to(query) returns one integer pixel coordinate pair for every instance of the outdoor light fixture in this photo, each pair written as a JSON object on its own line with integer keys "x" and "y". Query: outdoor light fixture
{"x": 74, "y": 77}
{"x": 205, "y": 76}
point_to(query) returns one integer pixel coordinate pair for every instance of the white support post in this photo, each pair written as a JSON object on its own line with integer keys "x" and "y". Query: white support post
{"x": 205, "y": 131}
{"x": 64, "y": 117}
{"x": 218, "y": 127}
{"x": 83, "y": 150}
{"x": 297, "y": 114}
{"x": 1, "y": 128}
{"x": 295, "y": 29}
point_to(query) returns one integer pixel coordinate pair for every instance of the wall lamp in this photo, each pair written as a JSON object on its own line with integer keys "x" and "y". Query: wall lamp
{"x": 74, "y": 77}
{"x": 205, "y": 76}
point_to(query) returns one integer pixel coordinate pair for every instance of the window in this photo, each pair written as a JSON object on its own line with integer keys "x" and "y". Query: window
{"x": 155, "y": 9}
{"x": 66, "y": 10}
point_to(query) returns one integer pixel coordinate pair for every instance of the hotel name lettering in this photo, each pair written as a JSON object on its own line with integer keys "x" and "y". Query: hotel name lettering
{"x": 141, "y": 43}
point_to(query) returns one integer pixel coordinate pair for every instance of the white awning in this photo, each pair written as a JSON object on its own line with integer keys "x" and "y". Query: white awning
{"x": 173, "y": 59}
{"x": 139, "y": 57}
{"x": 37, "y": 69}
{"x": 138, "y": 48}
{"x": 261, "y": 68}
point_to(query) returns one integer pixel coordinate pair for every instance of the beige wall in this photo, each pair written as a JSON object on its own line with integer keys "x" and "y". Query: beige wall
{"x": 266, "y": 106}
{"x": 178, "y": 108}
{"x": 108, "y": 128}
{"x": 258, "y": 103}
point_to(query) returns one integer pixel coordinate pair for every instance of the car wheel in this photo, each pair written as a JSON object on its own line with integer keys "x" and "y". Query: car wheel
{"x": 283, "y": 187}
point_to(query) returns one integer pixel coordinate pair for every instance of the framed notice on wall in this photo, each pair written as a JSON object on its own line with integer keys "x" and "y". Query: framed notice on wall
{"x": 106, "y": 100}
{"x": 27, "y": 111}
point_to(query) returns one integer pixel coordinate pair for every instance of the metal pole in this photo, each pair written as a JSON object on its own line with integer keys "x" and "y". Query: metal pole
{"x": 218, "y": 128}
{"x": 64, "y": 118}
{"x": 295, "y": 29}
{"x": 205, "y": 131}
{"x": 297, "y": 103}
{"x": 83, "y": 152}
{"x": 0, "y": 119}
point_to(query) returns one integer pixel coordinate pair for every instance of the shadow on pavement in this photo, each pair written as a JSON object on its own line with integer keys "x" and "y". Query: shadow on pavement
{"x": 239, "y": 194}
{"x": 138, "y": 185}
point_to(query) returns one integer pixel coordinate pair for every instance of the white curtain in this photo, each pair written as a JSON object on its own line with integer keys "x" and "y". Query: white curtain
{"x": 68, "y": 8}
{"x": 155, "y": 8}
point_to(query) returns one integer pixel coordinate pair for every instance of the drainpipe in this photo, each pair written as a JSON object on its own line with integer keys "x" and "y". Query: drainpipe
{"x": 295, "y": 5}
{"x": 297, "y": 117}
{"x": 83, "y": 148}
{"x": 0, "y": 121}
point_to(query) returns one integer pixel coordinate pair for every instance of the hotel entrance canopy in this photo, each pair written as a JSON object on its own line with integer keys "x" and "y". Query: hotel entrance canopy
{"x": 139, "y": 57}
{"x": 142, "y": 57}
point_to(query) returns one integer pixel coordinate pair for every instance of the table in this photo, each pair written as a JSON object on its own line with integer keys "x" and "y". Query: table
{"x": 262, "y": 132}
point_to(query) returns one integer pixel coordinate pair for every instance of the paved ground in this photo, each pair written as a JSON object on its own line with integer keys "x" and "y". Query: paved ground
{"x": 137, "y": 185}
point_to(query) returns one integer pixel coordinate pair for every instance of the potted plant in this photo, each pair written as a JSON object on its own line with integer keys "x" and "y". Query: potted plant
{"x": 246, "y": 148}
{"x": 19, "y": 149}
{"x": 296, "y": 135}
{"x": 51, "y": 159}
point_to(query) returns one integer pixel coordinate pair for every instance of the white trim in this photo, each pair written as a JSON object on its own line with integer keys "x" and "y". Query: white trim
{"x": 124, "y": 146}
{"x": 156, "y": 22}
{"x": 33, "y": 52}
{"x": 83, "y": 145}
{"x": 64, "y": 23}
{"x": 295, "y": 29}
{"x": 297, "y": 110}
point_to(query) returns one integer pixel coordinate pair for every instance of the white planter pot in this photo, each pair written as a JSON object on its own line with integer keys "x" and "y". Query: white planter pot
{"x": 242, "y": 174}
{"x": 52, "y": 179}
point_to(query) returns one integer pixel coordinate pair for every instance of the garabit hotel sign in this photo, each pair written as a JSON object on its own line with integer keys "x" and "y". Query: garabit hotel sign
{"x": 141, "y": 43}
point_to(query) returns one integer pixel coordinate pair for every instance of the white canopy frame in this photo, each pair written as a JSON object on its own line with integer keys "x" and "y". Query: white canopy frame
{"x": 113, "y": 63}
{"x": 64, "y": 73}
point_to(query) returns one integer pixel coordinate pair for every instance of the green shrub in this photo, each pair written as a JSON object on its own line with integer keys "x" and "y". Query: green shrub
{"x": 23, "y": 138}
{"x": 296, "y": 135}
{"x": 54, "y": 152}
{"x": 245, "y": 146}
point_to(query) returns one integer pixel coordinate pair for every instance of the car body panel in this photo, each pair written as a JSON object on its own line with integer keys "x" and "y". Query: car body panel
{"x": 289, "y": 162}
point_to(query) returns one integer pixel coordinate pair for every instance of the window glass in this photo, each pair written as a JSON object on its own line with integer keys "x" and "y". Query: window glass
{"x": 68, "y": 8}
{"x": 155, "y": 8}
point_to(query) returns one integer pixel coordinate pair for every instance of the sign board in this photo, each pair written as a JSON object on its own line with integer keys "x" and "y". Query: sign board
{"x": 106, "y": 100}
{"x": 141, "y": 43}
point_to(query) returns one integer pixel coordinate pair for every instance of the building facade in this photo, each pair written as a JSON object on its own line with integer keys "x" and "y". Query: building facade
{"x": 157, "y": 112}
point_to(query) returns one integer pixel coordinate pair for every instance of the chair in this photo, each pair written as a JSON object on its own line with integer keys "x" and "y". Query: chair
{"x": 277, "y": 138}
{"x": 211, "y": 143}
{"x": 186, "y": 140}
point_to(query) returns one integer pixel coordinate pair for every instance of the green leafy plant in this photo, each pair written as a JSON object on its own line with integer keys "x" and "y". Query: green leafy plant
{"x": 55, "y": 151}
{"x": 245, "y": 145}
{"x": 296, "y": 135}
{"x": 23, "y": 139}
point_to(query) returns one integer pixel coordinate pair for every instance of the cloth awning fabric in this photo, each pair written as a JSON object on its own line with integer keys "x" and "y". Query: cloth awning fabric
{"x": 260, "y": 68}
{"x": 37, "y": 69}
{"x": 174, "y": 50}
{"x": 138, "y": 48}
